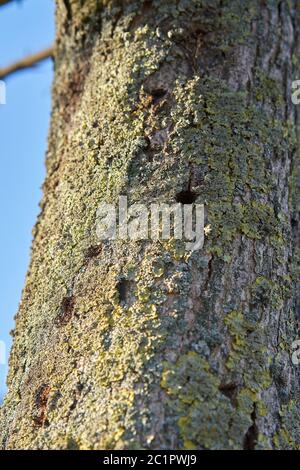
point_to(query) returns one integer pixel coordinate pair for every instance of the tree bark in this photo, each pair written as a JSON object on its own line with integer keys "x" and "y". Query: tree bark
{"x": 122, "y": 344}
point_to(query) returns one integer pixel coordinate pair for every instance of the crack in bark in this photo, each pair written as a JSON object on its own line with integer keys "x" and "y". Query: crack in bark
{"x": 251, "y": 436}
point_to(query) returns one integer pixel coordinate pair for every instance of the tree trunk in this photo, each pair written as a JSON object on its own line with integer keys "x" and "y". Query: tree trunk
{"x": 140, "y": 344}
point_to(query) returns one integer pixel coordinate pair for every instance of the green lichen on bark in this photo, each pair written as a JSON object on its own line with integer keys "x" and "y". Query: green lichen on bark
{"x": 122, "y": 344}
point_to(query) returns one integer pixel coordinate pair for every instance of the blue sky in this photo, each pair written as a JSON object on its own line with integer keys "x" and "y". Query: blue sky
{"x": 25, "y": 27}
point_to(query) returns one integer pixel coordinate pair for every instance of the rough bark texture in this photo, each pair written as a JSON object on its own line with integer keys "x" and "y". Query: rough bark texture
{"x": 138, "y": 344}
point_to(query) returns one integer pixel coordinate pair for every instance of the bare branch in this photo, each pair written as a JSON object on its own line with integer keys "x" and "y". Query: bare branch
{"x": 27, "y": 62}
{"x": 3, "y": 2}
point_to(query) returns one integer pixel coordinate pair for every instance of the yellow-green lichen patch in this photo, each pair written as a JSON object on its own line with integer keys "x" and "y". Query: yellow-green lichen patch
{"x": 206, "y": 418}
{"x": 288, "y": 436}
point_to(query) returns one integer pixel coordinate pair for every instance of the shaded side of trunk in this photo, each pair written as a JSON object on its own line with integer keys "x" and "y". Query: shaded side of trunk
{"x": 123, "y": 344}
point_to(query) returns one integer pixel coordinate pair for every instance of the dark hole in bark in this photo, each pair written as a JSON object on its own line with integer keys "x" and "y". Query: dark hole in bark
{"x": 294, "y": 223}
{"x": 122, "y": 287}
{"x": 158, "y": 94}
{"x": 230, "y": 391}
{"x": 93, "y": 251}
{"x": 67, "y": 310}
{"x": 186, "y": 197}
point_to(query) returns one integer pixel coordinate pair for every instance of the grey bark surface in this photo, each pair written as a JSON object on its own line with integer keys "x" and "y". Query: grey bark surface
{"x": 123, "y": 344}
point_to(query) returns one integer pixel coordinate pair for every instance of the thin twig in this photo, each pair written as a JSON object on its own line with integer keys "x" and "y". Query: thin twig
{"x": 27, "y": 62}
